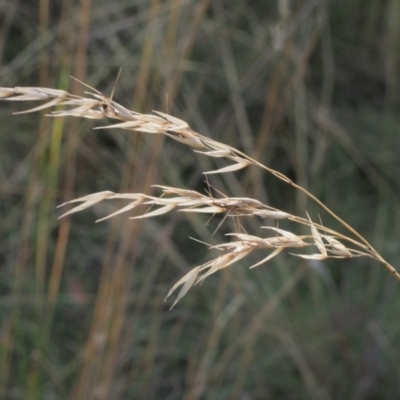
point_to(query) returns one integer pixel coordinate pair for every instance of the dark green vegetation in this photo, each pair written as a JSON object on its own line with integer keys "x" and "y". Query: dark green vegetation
{"x": 311, "y": 90}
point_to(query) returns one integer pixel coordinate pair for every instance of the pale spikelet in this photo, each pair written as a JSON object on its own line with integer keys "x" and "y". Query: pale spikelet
{"x": 272, "y": 255}
{"x": 216, "y": 153}
{"x": 112, "y": 109}
{"x": 315, "y": 256}
{"x": 239, "y": 203}
{"x": 240, "y": 164}
{"x": 222, "y": 151}
{"x": 336, "y": 247}
{"x": 25, "y": 94}
{"x": 84, "y": 109}
{"x": 286, "y": 238}
{"x": 224, "y": 261}
{"x": 187, "y": 138}
{"x": 129, "y": 207}
{"x": 180, "y": 125}
{"x": 278, "y": 215}
{"x": 317, "y": 238}
{"x": 162, "y": 210}
{"x": 250, "y": 240}
{"x": 178, "y": 191}
{"x": 6, "y": 92}
{"x": 205, "y": 210}
{"x": 187, "y": 281}
{"x": 318, "y": 242}
{"x": 36, "y": 93}
{"x": 87, "y": 201}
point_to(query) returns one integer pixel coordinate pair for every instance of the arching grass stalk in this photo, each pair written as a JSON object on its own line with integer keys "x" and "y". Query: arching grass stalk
{"x": 328, "y": 243}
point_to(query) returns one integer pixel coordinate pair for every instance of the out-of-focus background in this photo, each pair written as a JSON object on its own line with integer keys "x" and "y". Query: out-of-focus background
{"x": 310, "y": 88}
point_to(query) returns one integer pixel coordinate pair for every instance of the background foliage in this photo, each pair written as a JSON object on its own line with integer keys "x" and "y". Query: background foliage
{"x": 308, "y": 87}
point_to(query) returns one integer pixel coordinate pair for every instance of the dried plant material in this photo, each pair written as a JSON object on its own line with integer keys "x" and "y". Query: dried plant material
{"x": 216, "y": 153}
{"x": 88, "y": 201}
{"x": 98, "y": 106}
{"x": 129, "y": 207}
{"x": 317, "y": 238}
{"x": 239, "y": 203}
{"x": 160, "y": 211}
{"x": 251, "y": 240}
{"x": 231, "y": 168}
{"x": 84, "y": 109}
{"x": 224, "y": 261}
{"x": 187, "y": 281}
{"x": 287, "y": 239}
{"x": 318, "y": 242}
{"x": 130, "y": 125}
{"x": 264, "y": 260}
{"x": 186, "y": 138}
{"x": 278, "y": 215}
{"x": 180, "y": 192}
{"x": 310, "y": 256}
{"x": 180, "y": 125}
{"x": 28, "y": 94}
{"x": 51, "y": 103}
{"x": 6, "y": 92}
{"x": 207, "y": 210}
{"x": 35, "y": 93}
{"x": 337, "y": 248}
{"x": 117, "y": 111}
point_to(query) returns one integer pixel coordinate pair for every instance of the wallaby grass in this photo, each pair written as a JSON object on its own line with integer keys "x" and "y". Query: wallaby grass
{"x": 83, "y": 312}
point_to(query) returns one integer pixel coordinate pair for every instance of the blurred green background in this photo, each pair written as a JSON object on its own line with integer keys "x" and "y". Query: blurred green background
{"x": 310, "y": 88}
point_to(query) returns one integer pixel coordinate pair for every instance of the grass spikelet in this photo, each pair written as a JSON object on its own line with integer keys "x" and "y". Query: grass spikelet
{"x": 187, "y": 281}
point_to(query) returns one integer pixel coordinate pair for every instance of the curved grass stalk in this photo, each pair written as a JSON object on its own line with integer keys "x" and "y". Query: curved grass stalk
{"x": 99, "y": 106}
